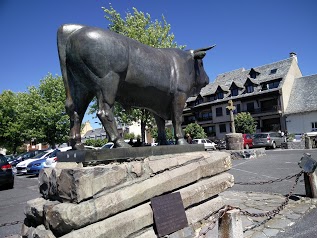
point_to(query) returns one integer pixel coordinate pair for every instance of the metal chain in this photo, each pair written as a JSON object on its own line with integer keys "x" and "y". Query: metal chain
{"x": 11, "y": 223}
{"x": 274, "y": 212}
{"x": 270, "y": 214}
{"x": 267, "y": 182}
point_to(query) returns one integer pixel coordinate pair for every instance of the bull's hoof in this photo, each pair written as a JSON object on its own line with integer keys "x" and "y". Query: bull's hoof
{"x": 182, "y": 142}
{"x": 121, "y": 144}
{"x": 78, "y": 146}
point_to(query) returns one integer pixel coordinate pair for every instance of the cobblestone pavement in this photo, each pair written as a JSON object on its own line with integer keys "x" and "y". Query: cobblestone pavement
{"x": 254, "y": 202}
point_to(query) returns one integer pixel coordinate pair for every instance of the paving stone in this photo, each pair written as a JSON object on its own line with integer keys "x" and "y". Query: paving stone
{"x": 301, "y": 208}
{"x": 279, "y": 223}
{"x": 270, "y": 232}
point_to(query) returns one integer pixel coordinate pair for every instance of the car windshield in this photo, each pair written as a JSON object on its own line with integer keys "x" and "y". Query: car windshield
{"x": 260, "y": 136}
{"x": 107, "y": 146}
{"x": 208, "y": 141}
{"x": 39, "y": 155}
{"x": 53, "y": 154}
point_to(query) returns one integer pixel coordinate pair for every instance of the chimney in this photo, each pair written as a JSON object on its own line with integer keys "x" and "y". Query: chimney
{"x": 293, "y": 55}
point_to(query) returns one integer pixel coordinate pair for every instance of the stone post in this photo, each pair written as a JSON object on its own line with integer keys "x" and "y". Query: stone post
{"x": 234, "y": 141}
{"x": 310, "y": 180}
{"x": 230, "y": 225}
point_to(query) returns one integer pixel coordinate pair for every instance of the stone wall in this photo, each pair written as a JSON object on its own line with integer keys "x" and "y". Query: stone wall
{"x": 113, "y": 200}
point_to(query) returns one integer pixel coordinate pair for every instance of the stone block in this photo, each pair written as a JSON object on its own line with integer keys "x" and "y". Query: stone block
{"x": 129, "y": 222}
{"x": 44, "y": 181}
{"x": 76, "y": 185}
{"x": 41, "y": 232}
{"x": 33, "y": 210}
{"x": 64, "y": 217}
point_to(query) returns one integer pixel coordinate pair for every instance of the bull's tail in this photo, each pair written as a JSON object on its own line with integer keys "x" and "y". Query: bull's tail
{"x": 63, "y": 33}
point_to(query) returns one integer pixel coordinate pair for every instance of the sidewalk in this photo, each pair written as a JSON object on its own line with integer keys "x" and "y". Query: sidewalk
{"x": 254, "y": 202}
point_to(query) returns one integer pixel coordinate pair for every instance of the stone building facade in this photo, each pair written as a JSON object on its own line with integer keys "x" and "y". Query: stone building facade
{"x": 264, "y": 91}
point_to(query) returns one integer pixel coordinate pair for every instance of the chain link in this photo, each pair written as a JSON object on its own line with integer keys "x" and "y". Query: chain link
{"x": 267, "y": 182}
{"x": 270, "y": 214}
{"x": 274, "y": 212}
{"x": 11, "y": 223}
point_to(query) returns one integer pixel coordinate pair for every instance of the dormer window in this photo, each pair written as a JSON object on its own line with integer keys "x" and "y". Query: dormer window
{"x": 219, "y": 95}
{"x": 253, "y": 74}
{"x": 234, "y": 92}
{"x": 273, "y": 71}
{"x": 249, "y": 89}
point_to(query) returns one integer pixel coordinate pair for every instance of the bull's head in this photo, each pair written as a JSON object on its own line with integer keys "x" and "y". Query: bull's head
{"x": 201, "y": 78}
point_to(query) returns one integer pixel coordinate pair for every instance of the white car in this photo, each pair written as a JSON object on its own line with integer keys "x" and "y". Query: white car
{"x": 208, "y": 144}
{"x": 52, "y": 158}
{"x": 21, "y": 167}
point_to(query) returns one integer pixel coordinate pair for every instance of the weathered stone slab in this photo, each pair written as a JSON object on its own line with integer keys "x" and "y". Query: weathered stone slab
{"x": 44, "y": 181}
{"x": 131, "y": 221}
{"x": 33, "y": 210}
{"x": 65, "y": 217}
{"x": 78, "y": 184}
{"x": 41, "y": 232}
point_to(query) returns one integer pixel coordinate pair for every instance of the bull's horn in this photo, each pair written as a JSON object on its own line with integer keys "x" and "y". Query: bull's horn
{"x": 204, "y": 49}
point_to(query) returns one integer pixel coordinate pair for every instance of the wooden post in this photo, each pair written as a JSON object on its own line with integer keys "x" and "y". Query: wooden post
{"x": 310, "y": 180}
{"x": 230, "y": 225}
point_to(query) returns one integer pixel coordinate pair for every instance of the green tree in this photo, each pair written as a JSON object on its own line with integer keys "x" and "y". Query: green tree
{"x": 138, "y": 26}
{"x": 195, "y": 131}
{"x": 244, "y": 123}
{"x": 168, "y": 131}
{"x": 11, "y": 125}
{"x": 44, "y": 114}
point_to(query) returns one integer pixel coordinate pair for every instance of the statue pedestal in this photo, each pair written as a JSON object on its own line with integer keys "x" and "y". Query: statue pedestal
{"x": 114, "y": 199}
{"x": 234, "y": 141}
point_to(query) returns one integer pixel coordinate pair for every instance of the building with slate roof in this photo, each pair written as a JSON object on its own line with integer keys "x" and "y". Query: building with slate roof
{"x": 301, "y": 112}
{"x": 264, "y": 91}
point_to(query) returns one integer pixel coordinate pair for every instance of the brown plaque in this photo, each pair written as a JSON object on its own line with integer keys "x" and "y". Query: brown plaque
{"x": 169, "y": 213}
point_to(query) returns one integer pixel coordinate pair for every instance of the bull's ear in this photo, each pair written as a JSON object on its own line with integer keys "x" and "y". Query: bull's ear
{"x": 204, "y": 49}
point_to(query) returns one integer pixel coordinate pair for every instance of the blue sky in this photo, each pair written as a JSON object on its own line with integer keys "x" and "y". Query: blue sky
{"x": 248, "y": 33}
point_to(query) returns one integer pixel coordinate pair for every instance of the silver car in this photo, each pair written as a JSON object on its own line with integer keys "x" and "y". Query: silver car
{"x": 268, "y": 139}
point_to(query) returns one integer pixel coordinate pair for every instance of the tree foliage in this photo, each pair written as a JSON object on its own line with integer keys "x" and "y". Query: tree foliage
{"x": 245, "y": 123}
{"x": 195, "y": 131}
{"x": 168, "y": 131}
{"x": 11, "y": 124}
{"x": 138, "y": 26}
{"x": 38, "y": 114}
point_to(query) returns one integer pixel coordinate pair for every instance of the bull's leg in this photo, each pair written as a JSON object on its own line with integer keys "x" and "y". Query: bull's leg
{"x": 106, "y": 98}
{"x": 177, "y": 118}
{"x": 76, "y": 111}
{"x": 160, "y": 122}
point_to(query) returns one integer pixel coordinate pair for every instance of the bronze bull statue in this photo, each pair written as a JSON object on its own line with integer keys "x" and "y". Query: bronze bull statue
{"x": 112, "y": 67}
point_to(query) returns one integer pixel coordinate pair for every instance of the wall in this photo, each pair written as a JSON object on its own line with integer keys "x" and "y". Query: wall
{"x": 294, "y": 72}
{"x": 301, "y": 122}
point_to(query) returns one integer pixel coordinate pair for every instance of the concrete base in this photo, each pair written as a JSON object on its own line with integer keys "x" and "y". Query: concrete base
{"x": 234, "y": 141}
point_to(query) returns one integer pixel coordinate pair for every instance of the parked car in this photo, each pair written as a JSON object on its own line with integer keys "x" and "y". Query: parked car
{"x": 108, "y": 145}
{"x": 51, "y": 160}
{"x": 268, "y": 139}
{"x": 24, "y": 156}
{"x": 247, "y": 141}
{"x": 35, "y": 166}
{"x": 6, "y": 173}
{"x": 208, "y": 144}
{"x": 21, "y": 167}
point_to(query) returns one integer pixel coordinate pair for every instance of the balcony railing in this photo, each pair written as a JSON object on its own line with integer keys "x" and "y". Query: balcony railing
{"x": 263, "y": 110}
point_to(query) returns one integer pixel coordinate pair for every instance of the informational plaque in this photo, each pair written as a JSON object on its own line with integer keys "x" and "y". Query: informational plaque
{"x": 169, "y": 213}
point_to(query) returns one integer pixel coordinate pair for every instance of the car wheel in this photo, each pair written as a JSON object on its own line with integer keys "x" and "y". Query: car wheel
{"x": 247, "y": 147}
{"x": 273, "y": 145}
